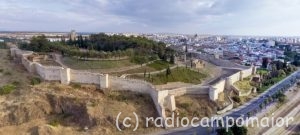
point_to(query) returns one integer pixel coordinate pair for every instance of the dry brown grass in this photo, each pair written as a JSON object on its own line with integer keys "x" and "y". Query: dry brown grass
{"x": 12, "y": 73}
{"x": 194, "y": 106}
{"x": 105, "y": 106}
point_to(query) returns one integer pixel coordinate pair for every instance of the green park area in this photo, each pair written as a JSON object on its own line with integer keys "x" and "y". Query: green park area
{"x": 267, "y": 77}
{"x": 278, "y": 72}
{"x": 178, "y": 74}
{"x": 78, "y": 64}
{"x": 267, "y": 84}
{"x": 101, "y": 51}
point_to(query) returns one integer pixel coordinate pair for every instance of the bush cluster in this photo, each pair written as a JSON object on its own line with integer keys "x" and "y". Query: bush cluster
{"x": 6, "y": 89}
{"x": 35, "y": 81}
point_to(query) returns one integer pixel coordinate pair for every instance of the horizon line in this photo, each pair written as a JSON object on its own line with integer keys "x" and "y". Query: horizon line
{"x": 208, "y": 34}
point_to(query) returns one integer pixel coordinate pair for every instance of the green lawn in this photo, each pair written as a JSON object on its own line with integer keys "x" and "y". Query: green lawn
{"x": 179, "y": 74}
{"x": 155, "y": 66}
{"x": 262, "y": 71}
{"x": 74, "y": 63}
{"x": 159, "y": 65}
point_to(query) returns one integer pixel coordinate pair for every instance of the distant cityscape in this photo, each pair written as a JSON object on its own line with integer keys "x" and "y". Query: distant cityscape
{"x": 244, "y": 50}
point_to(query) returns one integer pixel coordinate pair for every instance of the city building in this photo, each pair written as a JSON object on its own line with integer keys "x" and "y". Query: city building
{"x": 73, "y": 35}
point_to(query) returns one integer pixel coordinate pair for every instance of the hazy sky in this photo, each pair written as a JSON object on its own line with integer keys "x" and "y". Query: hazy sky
{"x": 239, "y": 17}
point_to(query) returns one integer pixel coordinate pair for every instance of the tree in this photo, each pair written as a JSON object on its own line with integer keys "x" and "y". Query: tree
{"x": 261, "y": 106}
{"x": 281, "y": 97}
{"x": 63, "y": 41}
{"x": 265, "y": 62}
{"x": 282, "y": 73}
{"x": 80, "y": 42}
{"x": 172, "y": 59}
{"x": 165, "y": 58}
{"x": 168, "y": 71}
{"x": 139, "y": 49}
{"x": 39, "y": 44}
{"x": 236, "y": 99}
{"x": 279, "y": 65}
{"x": 274, "y": 73}
{"x": 239, "y": 130}
{"x": 222, "y": 131}
{"x": 296, "y": 63}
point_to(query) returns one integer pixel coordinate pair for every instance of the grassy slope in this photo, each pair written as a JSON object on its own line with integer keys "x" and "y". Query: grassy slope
{"x": 177, "y": 75}
{"x": 155, "y": 66}
{"x": 158, "y": 65}
{"x": 244, "y": 85}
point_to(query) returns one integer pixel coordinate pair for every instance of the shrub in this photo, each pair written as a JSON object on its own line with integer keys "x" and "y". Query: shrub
{"x": 121, "y": 98}
{"x": 6, "y": 89}
{"x": 239, "y": 130}
{"x": 236, "y": 99}
{"x": 35, "y": 81}
{"x": 1, "y": 70}
{"x": 185, "y": 105}
{"x": 16, "y": 83}
{"x": 281, "y": 98}
{"x": 223, "y": 131}
{"x": 139, "y": 59}
{"x": 117, "y": 96}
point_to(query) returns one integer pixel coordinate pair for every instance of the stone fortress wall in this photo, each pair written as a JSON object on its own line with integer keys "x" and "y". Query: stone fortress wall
{"x": 163, "y": 99}
{"x": 227, "y": 83}
{"x": 103, "y": 81}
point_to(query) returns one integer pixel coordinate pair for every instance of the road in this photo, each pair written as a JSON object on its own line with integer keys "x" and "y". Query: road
{"x": 290, "y": 109}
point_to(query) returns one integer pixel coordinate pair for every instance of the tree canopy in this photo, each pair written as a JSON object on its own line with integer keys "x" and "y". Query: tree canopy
{"x": 139, "y": 49}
